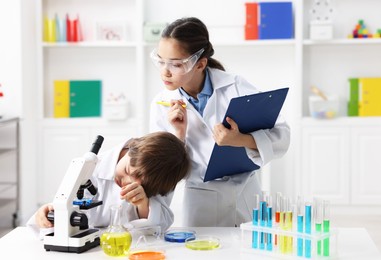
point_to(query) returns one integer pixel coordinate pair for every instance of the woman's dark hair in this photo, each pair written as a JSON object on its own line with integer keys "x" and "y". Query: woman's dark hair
{"x": 193, "y": 35}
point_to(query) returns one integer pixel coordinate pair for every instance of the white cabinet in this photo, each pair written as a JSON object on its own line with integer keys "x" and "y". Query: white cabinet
{"x": 365, "y": 165}
{"x": 340, "y": 162}
{"x": 9, "y": 172}
{"x": 325, "y": 163}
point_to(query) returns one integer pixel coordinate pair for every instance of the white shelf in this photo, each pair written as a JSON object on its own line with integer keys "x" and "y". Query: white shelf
{"x": 288, "y": 42}
{"x": 357, "y": 41}
{"x": 342, "y": 121}
{"x": 86, "y": 44}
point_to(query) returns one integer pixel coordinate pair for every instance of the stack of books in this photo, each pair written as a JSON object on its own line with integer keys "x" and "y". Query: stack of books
{"x": 364, "y": 97}
{"x": 77, "y": 98}
{"x": 269, "y": 20}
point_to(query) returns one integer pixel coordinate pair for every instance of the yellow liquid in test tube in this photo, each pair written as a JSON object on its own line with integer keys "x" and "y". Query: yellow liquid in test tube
{"x": 116, "y": 244}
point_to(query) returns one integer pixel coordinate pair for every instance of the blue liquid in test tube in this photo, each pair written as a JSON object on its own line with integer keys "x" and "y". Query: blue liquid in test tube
{"x": 299, "y": 212}
{"x": 269, "y": 225}
{"x": 262, "y": 222}
{"x": 255, "y": 221}
{"x": 308, "y": 216}
{"x": 300, "y": 240}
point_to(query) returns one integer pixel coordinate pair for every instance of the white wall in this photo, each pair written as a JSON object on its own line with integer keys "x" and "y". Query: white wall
{"x": 10, "y": 57}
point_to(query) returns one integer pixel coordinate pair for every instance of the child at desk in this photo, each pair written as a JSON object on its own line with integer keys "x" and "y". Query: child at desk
{"x": 140, "y": 175}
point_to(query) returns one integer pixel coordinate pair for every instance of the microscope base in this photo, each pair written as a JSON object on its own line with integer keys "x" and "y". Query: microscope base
{"x": 76, "y": 244}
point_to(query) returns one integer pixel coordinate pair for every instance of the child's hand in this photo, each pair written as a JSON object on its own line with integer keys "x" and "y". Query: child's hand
{"x": 177, "y": 117}
{"x": 134, "y": 193}
{"x": 41, "y": 216}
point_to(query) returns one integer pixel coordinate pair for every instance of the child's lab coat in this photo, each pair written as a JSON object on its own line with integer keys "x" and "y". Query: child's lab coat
{"x": 109, "y": 192}
{"x": 227, "y": 201}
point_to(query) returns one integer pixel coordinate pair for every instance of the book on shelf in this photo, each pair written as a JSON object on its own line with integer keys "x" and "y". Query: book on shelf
{"x": 77, "y": 98}
{"x": 251, "y": 26}
{"x": 369, "y": 96}
{"x": 276, "y": 20}
{"x": 353, "y": 103}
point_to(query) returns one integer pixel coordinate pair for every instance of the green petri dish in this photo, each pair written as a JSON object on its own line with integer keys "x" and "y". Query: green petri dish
{"x": 202, "y": 243}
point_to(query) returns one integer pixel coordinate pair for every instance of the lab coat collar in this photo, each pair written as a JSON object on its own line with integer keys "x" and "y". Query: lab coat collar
{"x": 107, "y": 162}
{"x": 220, "y": 78}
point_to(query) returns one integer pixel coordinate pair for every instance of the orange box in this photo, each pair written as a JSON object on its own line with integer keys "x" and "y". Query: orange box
{"x": 251, "y": 13}
{"x": 251, "y": 32}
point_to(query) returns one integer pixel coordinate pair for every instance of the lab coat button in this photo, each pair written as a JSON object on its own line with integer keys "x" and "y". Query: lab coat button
{"x": 226, "y": 178}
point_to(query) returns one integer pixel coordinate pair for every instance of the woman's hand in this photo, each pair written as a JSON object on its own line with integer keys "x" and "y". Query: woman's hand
{"x": 177, "y": 117}
{"x": 41, "y": 216}
{"x": 134, "y": 193}
{"x": 232, "y": 137}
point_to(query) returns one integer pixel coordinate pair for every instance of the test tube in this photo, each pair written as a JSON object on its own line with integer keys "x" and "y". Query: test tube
{"x": 255, "y": 221}
{"x": 283, "y": 225}
{"x": 269, "y": 245}
{"x": 288, "y": 221}
{"x": 318, "y": 216}
{"x": 299, "y": 210}
{"x": 278, "y": 202}
{"x": 326, "y": 217}
{"x": 307, "y": 227}
{"x": 262, "y": 220}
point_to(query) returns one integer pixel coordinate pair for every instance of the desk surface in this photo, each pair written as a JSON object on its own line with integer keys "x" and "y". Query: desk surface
{"x": 353, "y": 243}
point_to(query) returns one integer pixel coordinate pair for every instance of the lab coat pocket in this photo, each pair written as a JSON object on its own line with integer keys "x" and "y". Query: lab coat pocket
{"x": 251, "y": 188}
{"x": 200, "y": 207}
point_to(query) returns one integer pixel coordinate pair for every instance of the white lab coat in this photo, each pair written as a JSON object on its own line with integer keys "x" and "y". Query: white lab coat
{"x": 109, "y": 192}
{"x": 227, "y": 201}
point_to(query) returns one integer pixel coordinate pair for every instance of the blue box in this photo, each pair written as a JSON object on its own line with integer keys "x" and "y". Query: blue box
{"x": 276, "y": 20}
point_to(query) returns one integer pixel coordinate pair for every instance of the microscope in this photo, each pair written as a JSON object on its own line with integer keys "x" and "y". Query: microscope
{"x": 71, "y": 229}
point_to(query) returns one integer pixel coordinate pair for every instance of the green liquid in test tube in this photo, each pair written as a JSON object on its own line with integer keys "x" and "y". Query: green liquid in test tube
{"x": 318, "y": 214}
{"x": 326, "y": 217}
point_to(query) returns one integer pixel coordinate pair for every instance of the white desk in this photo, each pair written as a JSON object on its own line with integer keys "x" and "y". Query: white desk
{"x": 20, "y": 243}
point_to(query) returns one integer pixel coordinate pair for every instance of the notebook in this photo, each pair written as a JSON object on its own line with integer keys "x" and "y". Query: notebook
{"x": 251, "y": 113}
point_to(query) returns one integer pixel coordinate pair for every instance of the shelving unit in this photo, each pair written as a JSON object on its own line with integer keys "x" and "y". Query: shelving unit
{"x": 338, "y": 156}
{"x": 321, "y": 149}
{"x": 9, "y": 171}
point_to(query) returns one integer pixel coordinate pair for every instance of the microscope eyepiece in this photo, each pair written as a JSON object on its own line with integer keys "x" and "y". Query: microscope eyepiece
{"x": 97, "y": 144}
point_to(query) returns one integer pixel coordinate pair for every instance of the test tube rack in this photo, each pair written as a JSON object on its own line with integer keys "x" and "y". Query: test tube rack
{"x": 286, "y": 244}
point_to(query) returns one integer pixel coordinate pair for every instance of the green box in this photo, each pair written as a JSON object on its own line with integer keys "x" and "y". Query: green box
{"x": 85, "y": 98}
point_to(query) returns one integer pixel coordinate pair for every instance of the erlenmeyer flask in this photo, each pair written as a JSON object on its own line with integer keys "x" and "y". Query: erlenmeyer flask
{"x": 116, "y": 240}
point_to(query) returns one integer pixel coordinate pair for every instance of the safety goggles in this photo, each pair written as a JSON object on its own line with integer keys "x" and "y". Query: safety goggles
{"x": 176, "y": 67}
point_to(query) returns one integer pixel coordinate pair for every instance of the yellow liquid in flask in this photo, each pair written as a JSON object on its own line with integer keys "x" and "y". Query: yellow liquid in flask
{"x": 116, "y": 244}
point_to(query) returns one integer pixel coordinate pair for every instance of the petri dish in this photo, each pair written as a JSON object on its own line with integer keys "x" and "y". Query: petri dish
{"x": 179, "y": 235}
{"x": 146, "y": 255}
{"x": 202, "y": 243}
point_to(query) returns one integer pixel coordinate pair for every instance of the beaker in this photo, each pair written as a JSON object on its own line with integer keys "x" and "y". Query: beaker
{"x": 116, "y": 240}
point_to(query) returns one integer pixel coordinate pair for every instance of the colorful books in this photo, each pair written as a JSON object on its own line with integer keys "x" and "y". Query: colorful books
{"x": 77, "y": 98}
{"x": 353, "y": 103}
{"x": 276, "y": 20}
{"x": 364, "y": 97}
{"x": 251, "y": 26}
{"x": 269, "y": 20}
{"x": 370, "y": 97}
{"x": 61, "y": 98}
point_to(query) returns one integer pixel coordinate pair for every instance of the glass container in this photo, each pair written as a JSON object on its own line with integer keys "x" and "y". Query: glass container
{"x": 116, "y": 240}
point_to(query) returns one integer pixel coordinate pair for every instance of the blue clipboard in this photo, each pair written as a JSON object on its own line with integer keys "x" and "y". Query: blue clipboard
{"x": 251, "y": 113}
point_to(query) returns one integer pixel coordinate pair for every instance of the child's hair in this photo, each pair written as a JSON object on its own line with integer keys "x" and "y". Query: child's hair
{"x": 192, "y": 35}
{"x": 161, "y": 160}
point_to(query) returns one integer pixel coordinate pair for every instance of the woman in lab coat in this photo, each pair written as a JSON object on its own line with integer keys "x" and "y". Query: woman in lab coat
{"x": 199, "y": 91}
